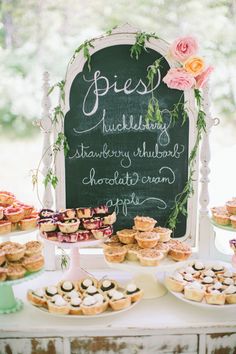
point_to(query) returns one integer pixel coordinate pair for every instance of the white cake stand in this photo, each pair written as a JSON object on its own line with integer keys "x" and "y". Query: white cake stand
{"x": 145, "y": 277}
{"x": 74, "y": 272}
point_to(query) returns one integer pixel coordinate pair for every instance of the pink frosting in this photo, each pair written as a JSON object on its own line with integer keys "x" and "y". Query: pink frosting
{"x": 183, "y": 48}
{"x": 179, "y": 79}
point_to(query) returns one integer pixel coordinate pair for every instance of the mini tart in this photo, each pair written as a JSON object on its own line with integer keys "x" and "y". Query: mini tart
{"x": 5, "y": 227}
{"x": 69, "y": 226}
{"x": 207, "y": 282}
{"x": 175, "y": 282}
{"x": 147, "y": 239}
{"x": 198, "y": 266}
{"x": 52, "y": 236}
{"x": 72, "y": 294}
{"x": 109, "y": 219}
{"x": 218, "y": 268}
{"x": 219, "y": 210}
{"x": 127, "y": 236}
{"x": 230, "y": 293}
{"x": 226, "y": 274}
{"x": 179, "y": 251}
{"x": 101, "y": 209}
{"x": 215, "y": 297}
{"x": 14, "y": 214}
{"x": 119, "y": 301}
{"x": 69, "y": 237}
{"x": 102, "y": 232}
{"x": 84, "y": 213}
{"x": 2, "y": 257}
{"x": 47, "y": 225}
{"x": 162, "y": 247}
{"x": 222, "y": 219}
{"x": 33, "y": 247}
{"x": 50, "y": 291}
{"x": 83, "y": 235}
{"x": 46, "y": 213}
{"x": 84, "y": 283}
{"x": 132, "y": 252}
{"x": 65, "y": 287}
{"x": 75, "y": 306}
{"x": 164, "y": 233}
{"x": 190, "y": 270}
{"x": 15, "y": 271}
{"x": 33, "y": 263}
{"x": 110, "y": 245}
{"x": 92, "y": 224}
{"x": 134, "y": 292}
{"x": 14, "y": 226}
{"x": 144, "y": 223}
{"x": 14, "y": 252}
{"x": 37, "y": 297}
{"x": 1, "y": 213}
{"x": 231, "y": 207}
{"x": 233, "y": 221}
{"x": 115, "y": 254}
{"x": 149, "y": 257}
{"x": 107, "y": 285}
{"x": 208, "y": 273}
{"x": 91, "y": 291}
{"x": 58, "y": 305}
{"x": 3, "y": 274}
{"x": 27, "y": 208}
{"x": 7, "y": 197}
{"x": 194, "y": 291}
{"x": 28, "y": 223}
{"x": 68, "y": 214}
{"x": 93, "y": 305}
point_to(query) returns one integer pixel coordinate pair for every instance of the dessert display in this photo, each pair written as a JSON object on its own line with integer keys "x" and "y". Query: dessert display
{"x": 18, "y": 260}
{"x": 85, "y": 297}
{"x": 76, "y": 224}
{"x": 15, "y": 215}
{"x": 225, "y": 215}
{"x": 206, "y": 283}
{"x": 146, "y": 247}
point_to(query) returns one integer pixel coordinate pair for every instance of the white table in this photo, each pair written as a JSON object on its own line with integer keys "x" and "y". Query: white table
{"x": 162, "y": 325}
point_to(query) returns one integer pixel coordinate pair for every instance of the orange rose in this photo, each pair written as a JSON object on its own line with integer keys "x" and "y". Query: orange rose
{"x": 194, "y": 65}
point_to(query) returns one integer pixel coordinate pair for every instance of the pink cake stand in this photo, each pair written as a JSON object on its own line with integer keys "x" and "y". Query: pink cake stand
{"x": 75, "y": 271}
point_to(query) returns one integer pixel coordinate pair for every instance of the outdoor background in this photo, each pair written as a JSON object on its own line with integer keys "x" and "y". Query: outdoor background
{"x": 42, "y": 35}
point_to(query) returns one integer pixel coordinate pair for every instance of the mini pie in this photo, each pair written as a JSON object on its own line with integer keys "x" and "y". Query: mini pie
{"x": 68, "y": 237}
{"x": 103, "y": 232}
{"x": 6, "y": 197}
{"x": 198, "y": 266}
{"x": 101, "y": 209}
{"x": 33, "y": 247}
{"x": 218, "y": 268}
{"x": 33, "y": 263}
{"x": 46, "y": 213}
{"x": 86, "y": 282}
{"x": 233, "y": 221}
{"x": 127, "y": 236}
{"x": 75, "y": 306}
{"x": 28, "y": 223}
{"x": 92, "y": 224}
{"x": 71, "y": 295}
{"x": 164, "y": 233}
{"x": 109, "y": 219}
{"x": 5, "y": 227}
{"x": 93, "y": 305}
{"x": 149, "y": 257}
{"x": 15, "y": 271}
{"x": 134, "y": 292}
{"x": 111, "y": 244}
{"x": 115, "y": 254}
{"x": 175, "y": 282}
{"x": 1, "y": 213}
{"x": 226, "y": 274}
{"x": 65, "y": 287}
{"x": 58, "y": 305}
{"x": 230, "y": 293}
{"x": 27, "y": 208}
{"x": 207, "y": 281}
{"x": 69, "y": 226}
{"x": 14, "y": 214}
{"x": 194, "y": 291}
{"x": 47, "y": 225}
{"x": 3, "y": 274}
{"x": 91, "y": 290}
{"x": 107, "y": 285}
{"x": 231, "y": 206}
{"x": 162, "y": 247}
{"x": 37, "y": 297}
{"x": 14, "y": 251}
{"x": 179, "y": 251}
{"x": 68, "y": 214}
{"x": 144, "y": 223}
{"x": 147, "y": 239}
{"x": 119, "y": 301}
{"x": 51, "y": 291}
{"x": 215, "y": 297}
{"x": 132, "y": 252}
{"x": 2, "y": 257}
{"x": 84, "y": 213}
{"x": 222, "y": 219}
{"x": 14, "y": 226}
{"x": 190, "y": 270}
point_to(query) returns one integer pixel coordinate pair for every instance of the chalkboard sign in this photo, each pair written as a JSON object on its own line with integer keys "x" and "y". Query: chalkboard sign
{"x": 116, "y": 157}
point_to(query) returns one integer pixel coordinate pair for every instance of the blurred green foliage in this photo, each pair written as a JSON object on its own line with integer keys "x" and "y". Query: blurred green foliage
{"x": 40, "y": 35}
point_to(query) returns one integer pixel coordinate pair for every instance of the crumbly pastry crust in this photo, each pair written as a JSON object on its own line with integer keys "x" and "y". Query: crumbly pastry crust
{"x": 149, "y": 257}
{"x": 144, "y": 223}
{"x": 60, "y": 310}
{"x": 7, "y": 197}
{"x": 14, "y": 214}
{"x": 215, "y": 299}
{"x": 14, "y": 251}
{"x": 163, "y": 233}
{"x": 28, "y": 223}
{"x": 84, "y": 213}
{"x": 5, "y": 227}
{"x": 127, "y": 236}
{"x": 36, "y": 300}
{"x": 47, "y": 225}
{"x": 94, "y": 309}
{"x": 115, "y": 254}
{"x": 147, "y": 239}
{"x": 69, "y": 227}
{"x": 179, "y": 251}
{"x": 162, "y": 247}
{"x": 33, "y": 247}
{"x": 231, "y": 207}
{"x": 33, "y": 263}
{"x": 221, "y": 219}
{"x": 15, "y": 271}
{"x": 136, "y": 296}
{"x": 132, "y": 252}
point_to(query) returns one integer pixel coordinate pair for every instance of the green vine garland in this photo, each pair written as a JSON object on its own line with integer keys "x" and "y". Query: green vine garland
{"x": 154, "y": 113}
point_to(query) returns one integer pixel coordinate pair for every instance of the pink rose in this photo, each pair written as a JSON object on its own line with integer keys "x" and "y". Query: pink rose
{"x": 183, "y": 48}
{"x": 179, "y": 79}
{"x": 202, "y": 78}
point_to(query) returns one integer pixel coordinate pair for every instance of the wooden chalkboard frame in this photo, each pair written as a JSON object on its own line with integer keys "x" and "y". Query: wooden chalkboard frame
{"x": 126, "y": 35}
